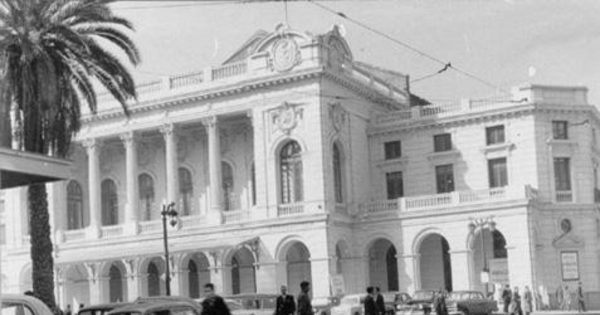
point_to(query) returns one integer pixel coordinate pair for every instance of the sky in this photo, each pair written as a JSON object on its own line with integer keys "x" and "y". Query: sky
{"x": 504, "y": 43}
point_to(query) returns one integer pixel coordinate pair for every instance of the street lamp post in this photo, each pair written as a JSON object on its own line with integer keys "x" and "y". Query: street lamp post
{"x": 168, "y": 210}
{"x": 480, "y": 224}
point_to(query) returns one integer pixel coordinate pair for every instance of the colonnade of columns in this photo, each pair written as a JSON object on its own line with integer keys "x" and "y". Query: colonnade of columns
{"x": 130, "y": 140}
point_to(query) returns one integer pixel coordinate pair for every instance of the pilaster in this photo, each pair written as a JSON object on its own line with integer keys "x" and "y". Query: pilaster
{"x": 214, "y": 162}
{"x": 461, "y": 272}
{"x": 320, "y": 274}
{"x": 409, "y": 272}
{"x": 93, "y": 151}
{"x": 131, "y": 206}
{"x": 169, "y": 134}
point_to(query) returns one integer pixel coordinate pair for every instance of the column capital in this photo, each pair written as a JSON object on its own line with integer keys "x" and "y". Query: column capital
{"x": 167, "y": 129}
{"x": 128, "y": 137}
{"x": 210, "y": 121}
{"x": 91, "y": 143}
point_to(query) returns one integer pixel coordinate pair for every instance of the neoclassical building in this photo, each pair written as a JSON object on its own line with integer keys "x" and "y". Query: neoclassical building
{"x": 292, "y": 161}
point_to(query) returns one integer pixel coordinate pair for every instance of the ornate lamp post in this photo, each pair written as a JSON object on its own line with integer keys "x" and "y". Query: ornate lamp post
{"x": 480, "y": 224}
{"x": 168, "y": 210}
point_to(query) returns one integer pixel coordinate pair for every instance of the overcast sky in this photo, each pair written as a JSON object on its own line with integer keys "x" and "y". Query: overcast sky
{"x": 504, "y": 42}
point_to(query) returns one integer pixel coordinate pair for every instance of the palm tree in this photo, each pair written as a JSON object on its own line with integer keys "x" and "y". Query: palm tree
{"x": 52, "y": 51}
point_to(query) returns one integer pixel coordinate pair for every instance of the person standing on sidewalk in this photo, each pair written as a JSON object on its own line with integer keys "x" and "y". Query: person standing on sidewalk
{"x": 506, "y": 296}
{"x": 527, "y": 301}
{"x": 580, "y": 298}
{"x": 304, "y": 304}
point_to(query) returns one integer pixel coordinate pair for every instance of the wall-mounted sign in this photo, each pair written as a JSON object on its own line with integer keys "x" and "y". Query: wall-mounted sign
{"x": 337, "y": 285}
{"x": 569, "y": 261}
{"x": 499, "y": 271}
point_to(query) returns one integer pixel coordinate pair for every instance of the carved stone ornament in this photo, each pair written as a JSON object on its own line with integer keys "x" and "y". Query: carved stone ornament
{"x": 286, "y": 117}
{"x": 285, "y": 54}
{"x": 337, "y": 114}
{"x": 145, "y": 153}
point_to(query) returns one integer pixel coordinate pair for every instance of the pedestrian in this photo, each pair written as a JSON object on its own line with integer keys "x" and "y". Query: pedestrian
{"x": 515, "y": 303}
{"x": 439, "y": 303}
{"x": 567, "y": 299}
{"x": 68, "y": 311}
{"x": 285, "y": 304}
{"x": 580, "y": 298}
{"x": 304, "y": 305}
{"x": 213, "y": 304}
{"x": 560, "y": 299}
{"x": 370, "y": 305}
{"x": 527, "y": 301}
{"x": 506, "y": 296}
{"x": 379, "y": 302}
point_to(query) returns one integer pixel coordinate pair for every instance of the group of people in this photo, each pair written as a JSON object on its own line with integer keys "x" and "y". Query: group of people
{"x": 514, "y": 304}
{"x": 564, "y": 298}
{"x": 285, "y": 304}
{"x": 374, "y": 302}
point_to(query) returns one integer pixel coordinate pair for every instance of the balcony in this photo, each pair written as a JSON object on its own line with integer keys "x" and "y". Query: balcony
{"x": 447, "y": 200}
{"x": 564, "y": 196}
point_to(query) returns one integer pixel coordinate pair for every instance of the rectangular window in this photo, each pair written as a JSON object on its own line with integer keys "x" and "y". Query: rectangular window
{"x": 442, "y": 142}
{"x": 395, "y": 187}
{"x": 494, "y": 134}
{"x": 560, "y": 129}
{"x": 444, "y": 175}
{"x": 393, "y": 150}
{"x": 2, "y": 234}
{"x": 562, "y": 174}
{"x": 497, "y": 172}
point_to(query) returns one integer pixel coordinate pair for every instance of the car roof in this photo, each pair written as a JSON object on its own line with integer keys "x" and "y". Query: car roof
{"x": 144, "y": 306}
{"x": 252, "y": 295}
{"x": 104, "y": 306}
{"x": 38, "y": 306}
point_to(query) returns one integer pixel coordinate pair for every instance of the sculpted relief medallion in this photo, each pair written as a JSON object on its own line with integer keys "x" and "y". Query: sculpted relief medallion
{"x": 286, "y": 117}
{"x": 285, "y": 54}
{"x": 337, "y": 114}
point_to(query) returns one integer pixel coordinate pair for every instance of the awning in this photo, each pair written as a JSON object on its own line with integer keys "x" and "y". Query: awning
{"x": 19, "y": 168}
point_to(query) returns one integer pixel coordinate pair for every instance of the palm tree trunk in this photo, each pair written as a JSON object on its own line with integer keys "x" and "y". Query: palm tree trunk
{"x": 41, "y": 245}
{"x": 5, "y": 125}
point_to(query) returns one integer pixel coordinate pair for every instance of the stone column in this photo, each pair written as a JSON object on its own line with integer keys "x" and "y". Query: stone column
{"x": 220, "y": 275}
{"x": 93, "y": 152}
{"x": 461, "y": 269}
{"x": 131, "y": 206}
{"x": 320, "y": 276}
{"x": 94, "y": 282}
{"x": 214, "y": 162}
{"x": 171, "y": 163}
{"x": 409, "y": 272}
{"x": 133, "y": 283}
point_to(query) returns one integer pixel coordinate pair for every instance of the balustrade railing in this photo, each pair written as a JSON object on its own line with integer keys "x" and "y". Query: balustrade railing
{"x": 192, "y": 220}
{"x": 187, "y": 80}
{"x": 234, "y": 216}
{"x": 564, "y": 196}
{"x": 150, "y": 226}
{"x": 75, "y": 235}
{"x": 111, "y": 231}
{"x": 230, "y": 70}
{"x": 380, "y": 206}
{"x": 290, "y": 209}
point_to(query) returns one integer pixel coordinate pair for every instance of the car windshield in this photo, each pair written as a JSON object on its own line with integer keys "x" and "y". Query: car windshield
{"x": 423, "y": 295}
{"x": 233, "y": 305}
{"x": 258, "y": 303}
{"x": 15, "y": 309}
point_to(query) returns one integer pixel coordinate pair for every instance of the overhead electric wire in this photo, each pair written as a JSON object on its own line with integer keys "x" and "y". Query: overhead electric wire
{"x": 407, "y": 46}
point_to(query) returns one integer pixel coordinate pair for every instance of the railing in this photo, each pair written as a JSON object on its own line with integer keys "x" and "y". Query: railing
{"x": 432, "y": 110}
{"x": 150, "y": 226}
{"x": 149, "y": 87}
{"x": 394, "y": 117}
{"x": 236, "y": 216}
{"x": 380, "y": 206}
{"x": 230, "y": 70}
{"x": 111, "y": 231}
{"x": 74, "y": 235}
{"x": 192, "y": 220}
{"x": 187, "y": 79}
{"x": 290, "y": 209}
{"x": 564, "y": 196}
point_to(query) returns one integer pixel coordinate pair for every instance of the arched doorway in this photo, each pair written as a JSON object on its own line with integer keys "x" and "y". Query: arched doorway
{"x": 489, "y": 255}
{"x": 243, "y": 275}
{"x": 115, "y": 284}
{"x": 298, "y": 267}
{"x": 383, "y": 265}
{"x": 77, "y": 286}
{"x": 434, "y": 264}
{"x": 153, "y": 279}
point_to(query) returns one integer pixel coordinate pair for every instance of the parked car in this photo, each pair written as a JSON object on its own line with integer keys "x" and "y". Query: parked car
{"x": 323, "y": 305}
{"x": 158, "y": 307}
{"x": 392, "y": 299}
{"x": 420, "y": 303}
{"x": 100, "y": 309}
{"x": 352, "y": 304}
{"x": 470, "y": 303}
{"x": 232, "y": 305}
{"x": 254, "y": 303}
{"x": 19, "y": 304}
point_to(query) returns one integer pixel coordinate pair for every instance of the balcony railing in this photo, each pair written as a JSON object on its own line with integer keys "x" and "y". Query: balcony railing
{"x": 150, "y": 226}
{"x": 235, "y": 216}
{"x": 111, "y": 231}
{"x": 564, "y": 196}
{"x": 74, "y": 235}
{"x": 290, "y": 209}
{"x": 192, "y": 220}
{"x": 456, "y": 198}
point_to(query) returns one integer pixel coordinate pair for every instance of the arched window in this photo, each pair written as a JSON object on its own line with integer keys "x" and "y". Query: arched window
{"x": 146, "y": 186}
{"x": 290, "y": 169}
{"x": 109, "y": 203}
{"x": 227, "y": 178}
{"x": 338, "y": 181}
{"x": 193, "y": 280}
{"x": 186, "y": 191}
{"x": 74, "y": 206}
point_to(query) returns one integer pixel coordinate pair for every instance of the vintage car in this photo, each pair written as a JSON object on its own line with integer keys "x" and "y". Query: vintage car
{"x": 19, "y": 304}
{"x": 100, "y": 309}
{"x": 158, "y": 307}
{"x": 470, "y": 303}
{"x": 352, "y": 304}
{"x": 254, "y": 303}
{"x": 420, "y": 303}
{"x": 323, "y": 305}
{"x": 393, "y": 300}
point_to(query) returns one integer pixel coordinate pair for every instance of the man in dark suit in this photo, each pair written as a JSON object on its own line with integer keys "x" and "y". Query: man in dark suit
{"x": 379, "y": 302}
{"x": 304, "y": 305}
{"x": 370, "y": 306}
{"x": 213, "y": 304}
{"x": 285, "y": 303}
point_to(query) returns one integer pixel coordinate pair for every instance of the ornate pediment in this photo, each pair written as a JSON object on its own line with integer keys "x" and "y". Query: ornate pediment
{"x": 568, "y": 240}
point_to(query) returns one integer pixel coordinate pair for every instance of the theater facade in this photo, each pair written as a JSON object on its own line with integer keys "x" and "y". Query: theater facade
{"x": 293, "y": 161}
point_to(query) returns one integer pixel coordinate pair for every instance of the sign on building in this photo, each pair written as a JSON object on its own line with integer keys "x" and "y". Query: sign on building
{"x": 499, "y": 271}
{"x": 569, "y": 261}
{"x": 337, "y": 285}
